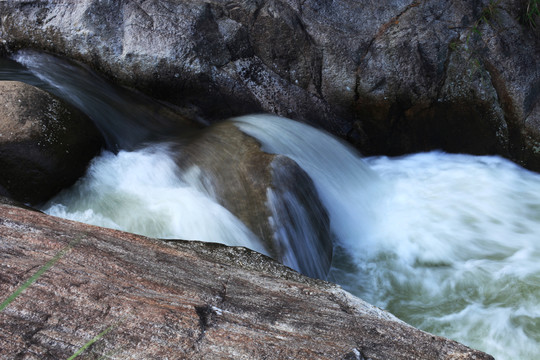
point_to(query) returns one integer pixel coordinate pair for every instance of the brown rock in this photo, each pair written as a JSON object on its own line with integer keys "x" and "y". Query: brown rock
{"x": 240, "y": 175}
{"x": 238, "y": 171}
{"x": 45, "y": 145}
{"x": 181, "y": 300}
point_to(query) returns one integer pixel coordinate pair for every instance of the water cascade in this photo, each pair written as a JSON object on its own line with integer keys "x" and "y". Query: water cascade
{"x": 125, "y": 118}
{"x": 448, "y": 243}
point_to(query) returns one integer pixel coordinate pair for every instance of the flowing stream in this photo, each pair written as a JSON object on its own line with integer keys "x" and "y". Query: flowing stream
{"x": 448, "y": 243}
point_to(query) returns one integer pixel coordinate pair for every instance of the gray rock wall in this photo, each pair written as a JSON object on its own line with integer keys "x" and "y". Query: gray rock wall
{"x": 391, "y": 77}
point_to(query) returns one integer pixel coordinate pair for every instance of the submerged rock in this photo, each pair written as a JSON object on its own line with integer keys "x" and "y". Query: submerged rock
{"x": 393, "y": 77}
{"x": 265, "y": 192}
{"x": 45, "y": 144}
{"x": 149, "y": 299}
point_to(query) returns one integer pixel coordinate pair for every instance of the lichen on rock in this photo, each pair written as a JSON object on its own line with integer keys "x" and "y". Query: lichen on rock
{"x": 45, "y": 144}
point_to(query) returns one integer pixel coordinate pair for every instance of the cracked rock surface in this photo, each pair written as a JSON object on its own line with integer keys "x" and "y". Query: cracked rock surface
{"x": 392, "y": 77}
{"x": 181, "y": 300}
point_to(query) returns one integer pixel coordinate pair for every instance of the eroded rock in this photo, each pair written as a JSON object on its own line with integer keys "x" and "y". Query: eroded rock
{"x": 45, "y": 144}
{"x": 181, "y": 300}
{"x": 264, "y": 191}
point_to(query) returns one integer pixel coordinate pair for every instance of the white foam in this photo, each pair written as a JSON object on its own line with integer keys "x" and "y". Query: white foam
{"x": 449, "y": 243}
{"x": 142, "y": 192}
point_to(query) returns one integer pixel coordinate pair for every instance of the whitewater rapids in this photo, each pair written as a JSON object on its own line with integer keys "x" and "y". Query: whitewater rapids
{"x": 448, "y": 243}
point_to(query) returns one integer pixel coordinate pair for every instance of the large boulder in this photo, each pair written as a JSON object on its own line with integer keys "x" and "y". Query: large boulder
{"x": 392, "y": 77}
{"x": 45, "y": 144}
{"x": 123, "y": 296}
{"x": 264, "y": 191}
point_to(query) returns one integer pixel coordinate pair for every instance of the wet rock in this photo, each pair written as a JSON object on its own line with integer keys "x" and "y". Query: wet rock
{"x": 264, "y": 191}
{"x": 393, "y": 77}
{"x": 151, "y": 299}
{"x": 45, "y": 145}
{"x": 432, "y": 78}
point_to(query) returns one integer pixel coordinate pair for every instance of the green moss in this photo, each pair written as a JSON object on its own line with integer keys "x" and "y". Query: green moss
{"x": 531, "y": 13}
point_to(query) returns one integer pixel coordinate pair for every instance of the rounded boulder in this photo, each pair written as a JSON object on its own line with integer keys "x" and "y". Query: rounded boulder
{"x": 45, "y": 144}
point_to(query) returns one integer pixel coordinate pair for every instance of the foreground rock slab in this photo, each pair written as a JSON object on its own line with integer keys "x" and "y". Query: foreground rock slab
{"x": 181, "y": 300}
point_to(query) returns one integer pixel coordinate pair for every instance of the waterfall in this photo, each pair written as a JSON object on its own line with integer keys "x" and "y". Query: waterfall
{"x": 126, "y": 119}
{"x": 346, "y": 184}
{"x": 448, "y": 243}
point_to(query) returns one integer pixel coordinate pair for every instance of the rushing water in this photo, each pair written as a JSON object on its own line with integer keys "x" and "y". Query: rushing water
{"x": 448, "y": 243}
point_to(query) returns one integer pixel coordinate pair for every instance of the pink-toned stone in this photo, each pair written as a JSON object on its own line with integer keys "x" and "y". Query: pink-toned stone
{"x": 181, "y": 300}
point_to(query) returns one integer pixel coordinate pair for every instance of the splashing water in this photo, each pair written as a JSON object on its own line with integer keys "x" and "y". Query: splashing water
{"x": 457, "y": 252}
{"x": 142, "y": 192}
{"x": 448, "y": 243}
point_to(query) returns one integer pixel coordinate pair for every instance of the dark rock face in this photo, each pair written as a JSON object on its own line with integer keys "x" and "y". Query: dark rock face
{"x": 240, "y": 175}
{"x": 431, "y": 75}
{"x": 181, "y": 300}
{"x": 392, "y": 77}
{"x": 45, "y": 145}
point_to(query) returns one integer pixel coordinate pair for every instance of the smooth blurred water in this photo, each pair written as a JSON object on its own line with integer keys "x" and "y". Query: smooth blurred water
{"x": 125, "y": 118}
{"x": 448, "y": 243}
{"x": 457, "y": 252}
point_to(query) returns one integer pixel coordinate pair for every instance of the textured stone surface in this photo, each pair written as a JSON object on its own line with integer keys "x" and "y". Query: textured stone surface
{"x": 392, "y": 77}
{"x": 181, "y": 300}
{"x": 240, "y": 175}
{"x": 45, "y": 145}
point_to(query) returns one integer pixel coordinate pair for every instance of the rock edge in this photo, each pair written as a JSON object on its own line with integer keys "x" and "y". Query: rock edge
{"x": 182, "y": 300}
